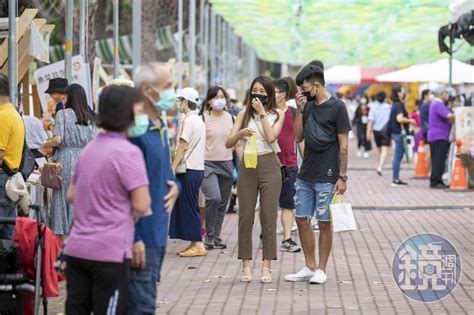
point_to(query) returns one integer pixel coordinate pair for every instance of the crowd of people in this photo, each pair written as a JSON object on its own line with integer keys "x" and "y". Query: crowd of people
{"x": 125, "y": 191}
{"x": 388, "y": 123}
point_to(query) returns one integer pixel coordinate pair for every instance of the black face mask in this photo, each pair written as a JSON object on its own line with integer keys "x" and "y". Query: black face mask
{"x": 262, "y": 98}
{"x": 308, "y": 96}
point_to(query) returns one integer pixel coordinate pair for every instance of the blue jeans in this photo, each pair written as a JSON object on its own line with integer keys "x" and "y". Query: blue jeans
{"x": 7, "y": 209}
{"x": 142, "y": 291}
{"x": 313, "y": 197}
{"x": 398, "y": 156}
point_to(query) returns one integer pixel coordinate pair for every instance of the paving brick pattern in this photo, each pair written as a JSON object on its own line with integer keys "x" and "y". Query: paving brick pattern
{"x": 359, "y": 270}
{"x": 360, "y": 278}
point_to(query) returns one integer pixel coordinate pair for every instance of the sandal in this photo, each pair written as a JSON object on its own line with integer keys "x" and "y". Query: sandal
{"x": 266, "y": 275}
{"x": 193, "y": 252}
{"x": 184, "y": 249}
{"x": 246, "y": 275}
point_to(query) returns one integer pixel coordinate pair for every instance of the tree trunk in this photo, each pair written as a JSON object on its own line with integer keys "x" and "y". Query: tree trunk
{"x": 150, "y": 11}
{"x": 91, "y": 34}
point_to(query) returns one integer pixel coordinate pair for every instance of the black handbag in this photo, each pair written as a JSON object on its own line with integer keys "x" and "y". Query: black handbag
{"x": 316, "y": 137}
{"x": 27, "y": 164}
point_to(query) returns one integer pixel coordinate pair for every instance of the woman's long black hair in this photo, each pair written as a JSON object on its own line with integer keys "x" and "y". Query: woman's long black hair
{"x": 77, "y": 101}
{"x": 271, "y": 105}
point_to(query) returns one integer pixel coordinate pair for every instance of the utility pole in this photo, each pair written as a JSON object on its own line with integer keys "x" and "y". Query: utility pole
{"x": 180, "y": 44}
{"x": 116, "y": 38}
{"x": 12, "y": 53}
{"x": 68, "y": 53}
{"x": 192, "y": 39}
{"x": 137, "y": 34}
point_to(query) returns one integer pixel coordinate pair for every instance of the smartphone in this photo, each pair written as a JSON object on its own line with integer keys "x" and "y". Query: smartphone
{"x": 299, "y": 89}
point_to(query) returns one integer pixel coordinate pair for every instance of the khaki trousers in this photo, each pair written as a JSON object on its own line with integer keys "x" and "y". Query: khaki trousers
{"x": 266, "y": 179}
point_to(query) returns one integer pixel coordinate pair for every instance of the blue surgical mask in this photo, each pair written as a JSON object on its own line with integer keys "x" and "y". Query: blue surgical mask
{"x": 141, "y": 126}
{"x": 167, "y": 100}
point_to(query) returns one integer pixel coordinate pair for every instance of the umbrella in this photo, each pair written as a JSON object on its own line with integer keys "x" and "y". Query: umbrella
{"x": 352, "y": 74}
{"x": 432, "y": 72}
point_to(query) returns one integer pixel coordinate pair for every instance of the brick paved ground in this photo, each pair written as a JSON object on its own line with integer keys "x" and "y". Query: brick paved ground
{"x": 359, "y": 270}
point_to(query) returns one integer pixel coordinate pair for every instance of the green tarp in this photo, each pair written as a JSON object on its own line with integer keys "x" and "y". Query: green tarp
{"x": 372, "y": 33}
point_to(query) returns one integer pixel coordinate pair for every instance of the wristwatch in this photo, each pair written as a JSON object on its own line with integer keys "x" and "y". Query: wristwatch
{"x": 262, "y": 116}
{"x": 344, "y": 178}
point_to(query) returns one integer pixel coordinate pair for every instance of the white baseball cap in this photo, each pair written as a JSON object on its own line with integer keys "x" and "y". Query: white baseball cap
{"x": 189, "y": 94}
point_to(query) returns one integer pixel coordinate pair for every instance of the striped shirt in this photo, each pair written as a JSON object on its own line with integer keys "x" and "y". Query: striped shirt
{"x": 108, "y": 169}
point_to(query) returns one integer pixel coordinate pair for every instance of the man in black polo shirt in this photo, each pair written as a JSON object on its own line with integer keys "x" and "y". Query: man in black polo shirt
{"x": 323, "y": 123}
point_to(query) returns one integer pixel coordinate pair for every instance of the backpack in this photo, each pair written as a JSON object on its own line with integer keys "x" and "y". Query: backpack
{"x": 27, "y": 164}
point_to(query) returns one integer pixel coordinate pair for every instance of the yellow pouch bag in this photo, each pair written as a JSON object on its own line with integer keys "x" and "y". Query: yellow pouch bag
{"x": 250, "y": 152}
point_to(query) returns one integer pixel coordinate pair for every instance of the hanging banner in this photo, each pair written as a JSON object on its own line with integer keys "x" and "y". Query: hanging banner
{"x": 465, "y": 127}
{"x": 80, "y": 75}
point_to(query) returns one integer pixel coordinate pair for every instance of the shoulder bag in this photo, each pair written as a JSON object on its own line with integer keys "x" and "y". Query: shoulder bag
{"x": 181, "y": 169}
{"x": 315, "y": 136}
{"x": 52, "y": 175}
{"x": 27, "y": 163}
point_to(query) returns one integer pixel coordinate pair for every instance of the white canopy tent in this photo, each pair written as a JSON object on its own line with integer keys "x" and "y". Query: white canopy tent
{"x": 343, "y": 75}
{"x": 432, "y": 72}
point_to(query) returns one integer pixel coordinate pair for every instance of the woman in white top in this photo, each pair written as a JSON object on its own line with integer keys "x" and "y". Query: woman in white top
{"x": 263, "y": 119}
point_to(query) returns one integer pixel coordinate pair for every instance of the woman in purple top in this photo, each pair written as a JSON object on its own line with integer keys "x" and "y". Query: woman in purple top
{"x": 109, "y": 187}
{"x": 439, "y": 127}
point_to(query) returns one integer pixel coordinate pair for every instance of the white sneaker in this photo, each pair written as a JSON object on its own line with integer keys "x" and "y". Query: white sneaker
{"x": 366, "y": 155}
{"x": 319, "y": 277}
{"x": 304, "y": 274}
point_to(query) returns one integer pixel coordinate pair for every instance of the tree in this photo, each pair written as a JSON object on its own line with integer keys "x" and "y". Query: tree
{"x": 150, "y": 11}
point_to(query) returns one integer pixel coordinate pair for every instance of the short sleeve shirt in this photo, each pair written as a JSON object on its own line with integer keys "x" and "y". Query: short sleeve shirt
{"x": 379, "y": 115}
{"x": 108, "y": 169}
{"x": 397, "y": 108}
{"x": 193, "y": 131}
{"x": 438, "y": 123}
{"x": 12, "y": 135}
{"x": 218, "y": 129}
{"x": 323, "y": 166}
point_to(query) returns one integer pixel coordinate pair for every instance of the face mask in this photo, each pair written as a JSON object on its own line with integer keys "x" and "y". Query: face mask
{"x": 167, "y": 100}
{"x": 179, "y": 106}
{"x": 218, "y": 104}
{"x": 308, "y": 95}
{"x": 262, "y": 98}
{"x": 140, "y": 128}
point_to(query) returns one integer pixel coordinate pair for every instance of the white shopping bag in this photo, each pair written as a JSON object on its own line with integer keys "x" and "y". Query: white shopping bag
{"x": 342, "y": 216}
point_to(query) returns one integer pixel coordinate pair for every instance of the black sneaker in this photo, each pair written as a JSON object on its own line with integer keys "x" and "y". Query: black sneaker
{"x": 439, "y": 186}
{"x": 209, "y": 243}
{"x": 398, "y": 183}
{"x": 290, "y": 246}
{"x": 219, "y": 244}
